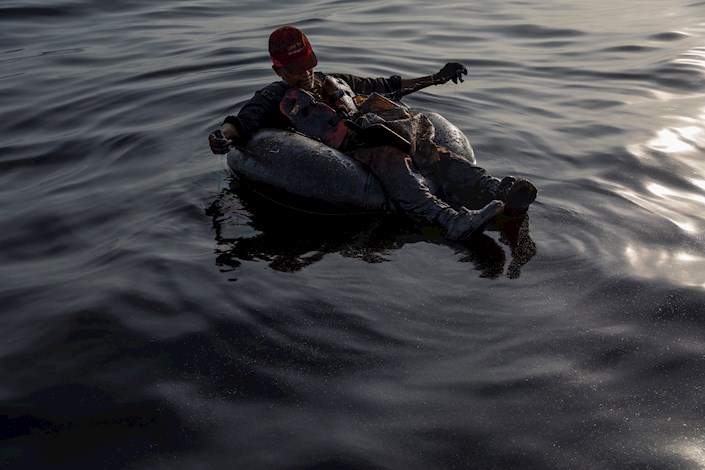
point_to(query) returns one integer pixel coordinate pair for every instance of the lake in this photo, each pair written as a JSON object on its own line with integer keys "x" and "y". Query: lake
{"x": 156, "y": 315}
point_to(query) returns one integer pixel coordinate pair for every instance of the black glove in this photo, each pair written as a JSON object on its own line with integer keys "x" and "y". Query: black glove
{"x": 218, "y": 143}
{"x": 450, "y": 71}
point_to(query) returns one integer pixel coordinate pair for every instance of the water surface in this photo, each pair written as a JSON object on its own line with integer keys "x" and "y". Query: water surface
{"x": 157, "y": 315}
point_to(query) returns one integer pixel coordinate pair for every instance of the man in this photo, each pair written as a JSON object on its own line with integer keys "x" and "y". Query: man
{"x": 293, "y": 60}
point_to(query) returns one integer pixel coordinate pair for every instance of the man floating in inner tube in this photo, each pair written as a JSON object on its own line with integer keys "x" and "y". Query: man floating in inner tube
{"x": 388, "y": 138}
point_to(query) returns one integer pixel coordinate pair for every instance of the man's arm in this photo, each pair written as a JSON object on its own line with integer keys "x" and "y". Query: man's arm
{"x": 450, "y": 71}
{"x": 367, "y": 86}
{"x": 262, "y": 110}
{"x": 396, "y": 87}
{"x": 221, "y": 139}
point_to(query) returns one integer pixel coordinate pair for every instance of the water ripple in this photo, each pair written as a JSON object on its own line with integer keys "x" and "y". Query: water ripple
{"x": 154, "y": 305}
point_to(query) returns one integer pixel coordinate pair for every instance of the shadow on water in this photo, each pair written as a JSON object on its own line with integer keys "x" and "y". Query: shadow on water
{"x": 289, "y": 239}
{"x": 96, "y": 382}
{"x": 83, "y": 393}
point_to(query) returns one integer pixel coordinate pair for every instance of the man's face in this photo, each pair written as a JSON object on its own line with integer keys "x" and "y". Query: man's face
{"x": 303, "y": 80}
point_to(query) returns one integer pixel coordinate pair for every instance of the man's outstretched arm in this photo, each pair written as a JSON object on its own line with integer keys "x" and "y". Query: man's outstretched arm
{"x": 450, "y": 71}
{"x": 395, "y": 87}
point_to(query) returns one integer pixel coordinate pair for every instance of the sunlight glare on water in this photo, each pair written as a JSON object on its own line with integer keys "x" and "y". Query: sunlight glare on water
{"x": 681, "y": 268}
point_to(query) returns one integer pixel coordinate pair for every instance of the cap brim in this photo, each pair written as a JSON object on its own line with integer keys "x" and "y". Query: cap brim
{"x": 302, "y": 64}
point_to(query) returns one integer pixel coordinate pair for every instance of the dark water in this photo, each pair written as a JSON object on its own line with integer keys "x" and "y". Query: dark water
{"x": 157, "y": 316}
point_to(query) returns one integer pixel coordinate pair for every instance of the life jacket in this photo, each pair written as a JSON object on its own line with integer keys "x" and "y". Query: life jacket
{"x": 313, "y": 118}
{"x": 340, "y": 95}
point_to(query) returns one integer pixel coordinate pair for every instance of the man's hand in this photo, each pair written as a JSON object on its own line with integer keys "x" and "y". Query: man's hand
{"x": 450, "y": 71}
{"x": 221, "y": 139}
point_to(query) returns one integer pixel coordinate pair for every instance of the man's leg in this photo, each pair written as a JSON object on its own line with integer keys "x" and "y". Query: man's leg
{"x": 412, "y": 196}
{"x": 465, "y": 184}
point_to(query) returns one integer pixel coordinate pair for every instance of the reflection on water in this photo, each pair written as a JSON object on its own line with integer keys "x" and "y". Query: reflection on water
{"x": 677, "y": 140}
{"x": 662, "y": 205}
{"x": 682, "y": 146}
{"x": 680, "y": 267}
{"x": 691, "y": 451}
{"x": 289, "y": 240}
{"x": 695, "y": 57}
{"x": 676, "y": 149}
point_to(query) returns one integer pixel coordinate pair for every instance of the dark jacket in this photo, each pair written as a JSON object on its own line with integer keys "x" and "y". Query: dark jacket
{"x": 262, "y": 110}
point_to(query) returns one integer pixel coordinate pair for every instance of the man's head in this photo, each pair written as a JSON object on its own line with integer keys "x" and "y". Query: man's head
{"x": 292, "y": 56}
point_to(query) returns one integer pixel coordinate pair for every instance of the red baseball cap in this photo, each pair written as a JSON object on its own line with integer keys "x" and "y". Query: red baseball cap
{"x": 289, "y": 48}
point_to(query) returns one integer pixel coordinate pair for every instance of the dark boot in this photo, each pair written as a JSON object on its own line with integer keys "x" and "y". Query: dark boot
{"x": 517, "y": 194}
{"x": 411, "y": 194}
{"x": 466, "y": 184}
{"x": 461, "y": 224}
{"x": 416, "y": 201}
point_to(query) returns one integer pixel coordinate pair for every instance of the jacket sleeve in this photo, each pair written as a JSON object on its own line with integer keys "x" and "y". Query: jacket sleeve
{"x": 261, "y": 111}
{"x": 364, "y": 86}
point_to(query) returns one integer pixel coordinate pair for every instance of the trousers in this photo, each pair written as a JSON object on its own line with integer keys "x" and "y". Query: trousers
{"x": 459, "y": 182}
